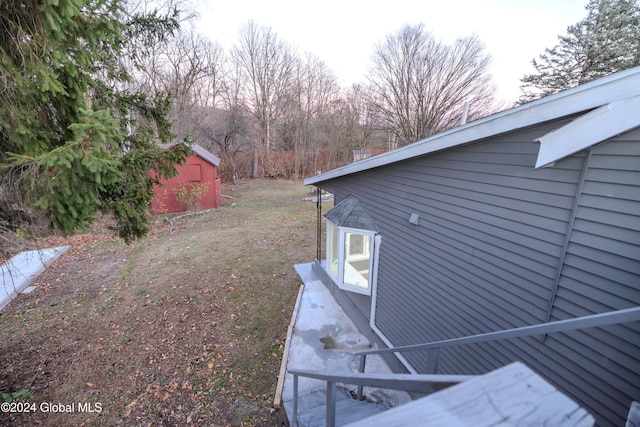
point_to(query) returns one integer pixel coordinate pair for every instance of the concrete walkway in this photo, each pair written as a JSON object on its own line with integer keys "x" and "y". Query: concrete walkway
{"x": 324, "y": 338}
{"x": 22, "y": 269}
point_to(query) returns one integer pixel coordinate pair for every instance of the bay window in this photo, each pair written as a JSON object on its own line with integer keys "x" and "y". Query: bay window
{"x": 351, "y": 259}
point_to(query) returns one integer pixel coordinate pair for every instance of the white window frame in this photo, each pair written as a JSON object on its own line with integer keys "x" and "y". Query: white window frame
{"x": 370, "y": 252}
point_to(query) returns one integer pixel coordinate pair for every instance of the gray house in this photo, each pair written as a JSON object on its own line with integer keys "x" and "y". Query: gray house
{"x": 528, "y": 216}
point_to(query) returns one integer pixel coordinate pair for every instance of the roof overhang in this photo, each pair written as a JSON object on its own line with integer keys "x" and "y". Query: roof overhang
{"x": 201, "y": 152}
{"x": 206, "y": 155}
{"x": 581, "y": 99}
{"x": 588, "y": 130}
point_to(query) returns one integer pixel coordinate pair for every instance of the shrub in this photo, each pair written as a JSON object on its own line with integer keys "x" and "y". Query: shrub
{"x": 189, "y": 194}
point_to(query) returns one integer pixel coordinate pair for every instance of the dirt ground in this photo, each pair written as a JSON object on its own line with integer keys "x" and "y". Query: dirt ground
{"x": 180, "y": 328}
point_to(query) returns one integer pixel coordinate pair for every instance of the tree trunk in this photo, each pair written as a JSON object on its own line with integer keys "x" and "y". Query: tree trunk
{"x": 254, "y": 173}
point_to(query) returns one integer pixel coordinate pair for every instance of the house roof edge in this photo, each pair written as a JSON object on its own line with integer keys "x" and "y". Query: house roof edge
{"x": 582, "y": 98}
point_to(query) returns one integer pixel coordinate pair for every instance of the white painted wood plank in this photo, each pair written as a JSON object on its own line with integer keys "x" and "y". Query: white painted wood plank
{"x": 277, "y": 400}
{"x": 510, "y": 396}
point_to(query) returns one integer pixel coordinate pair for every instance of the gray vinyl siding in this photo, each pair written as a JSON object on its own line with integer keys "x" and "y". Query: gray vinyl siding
{"x": 486, "y": 254}
{"x": 601, "y": 273}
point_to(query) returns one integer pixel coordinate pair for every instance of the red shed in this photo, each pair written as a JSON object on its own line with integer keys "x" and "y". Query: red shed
{"x": 197, "y": 181}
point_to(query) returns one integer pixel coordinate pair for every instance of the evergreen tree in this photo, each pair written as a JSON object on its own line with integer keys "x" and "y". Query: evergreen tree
{"x": 72, "y": 141}
{"x": 606, "y": 41}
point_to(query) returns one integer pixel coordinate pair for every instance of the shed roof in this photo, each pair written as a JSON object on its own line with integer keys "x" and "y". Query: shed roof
{"x": 202, "y": 153}
{"x": 206, "y": 155}
{"x": 614, "y": 99}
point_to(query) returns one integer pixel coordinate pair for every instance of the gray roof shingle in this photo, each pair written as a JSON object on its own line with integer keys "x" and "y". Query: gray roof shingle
{"x": 350, "y": 212}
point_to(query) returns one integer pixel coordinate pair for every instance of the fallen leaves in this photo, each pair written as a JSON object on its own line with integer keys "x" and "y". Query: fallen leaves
{"x": 195, "y": 342}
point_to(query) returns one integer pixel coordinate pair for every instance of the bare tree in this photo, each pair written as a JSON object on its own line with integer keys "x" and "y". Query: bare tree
{"x": 310, "y": 101}
{"x": 147, "y": 53}
{"x": 208, "y": 102}
{"x": 230, "y": 130}
{"x": 192, "y": 70}
{"x": 266, "y": 63}
{"x": 365, "y": 123}
{"x": 421, "y": 84}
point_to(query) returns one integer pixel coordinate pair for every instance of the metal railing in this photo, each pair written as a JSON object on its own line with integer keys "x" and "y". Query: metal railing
{"x": 433, "y": 348}
{"x": 424, "y": 383}
{"x": 406, "y": 382}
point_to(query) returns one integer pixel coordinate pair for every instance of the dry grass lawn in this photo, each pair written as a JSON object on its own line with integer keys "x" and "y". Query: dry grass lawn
{"x": 180, "y": 328}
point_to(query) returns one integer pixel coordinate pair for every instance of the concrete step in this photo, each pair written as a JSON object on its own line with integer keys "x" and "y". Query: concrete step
{"x": 347, "y": 411}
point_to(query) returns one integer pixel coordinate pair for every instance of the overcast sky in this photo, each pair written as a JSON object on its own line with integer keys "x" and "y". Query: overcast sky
{"x": 343, "y": 33}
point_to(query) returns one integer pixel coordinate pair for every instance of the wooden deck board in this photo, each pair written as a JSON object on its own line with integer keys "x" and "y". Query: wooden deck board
{"x": 510, "y": 396}
{"x": 277, "y": 400}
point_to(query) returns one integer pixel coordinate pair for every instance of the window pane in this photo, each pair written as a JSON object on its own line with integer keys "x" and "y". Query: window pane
{"x": 356, "y": 259}
{"x": 355, "y": 244}
{"x": 333, "y": 237}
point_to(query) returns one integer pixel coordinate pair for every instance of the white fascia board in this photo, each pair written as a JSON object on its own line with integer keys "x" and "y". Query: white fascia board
{"x": 588, "y": 130}
{"x": 572, "y": 101}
